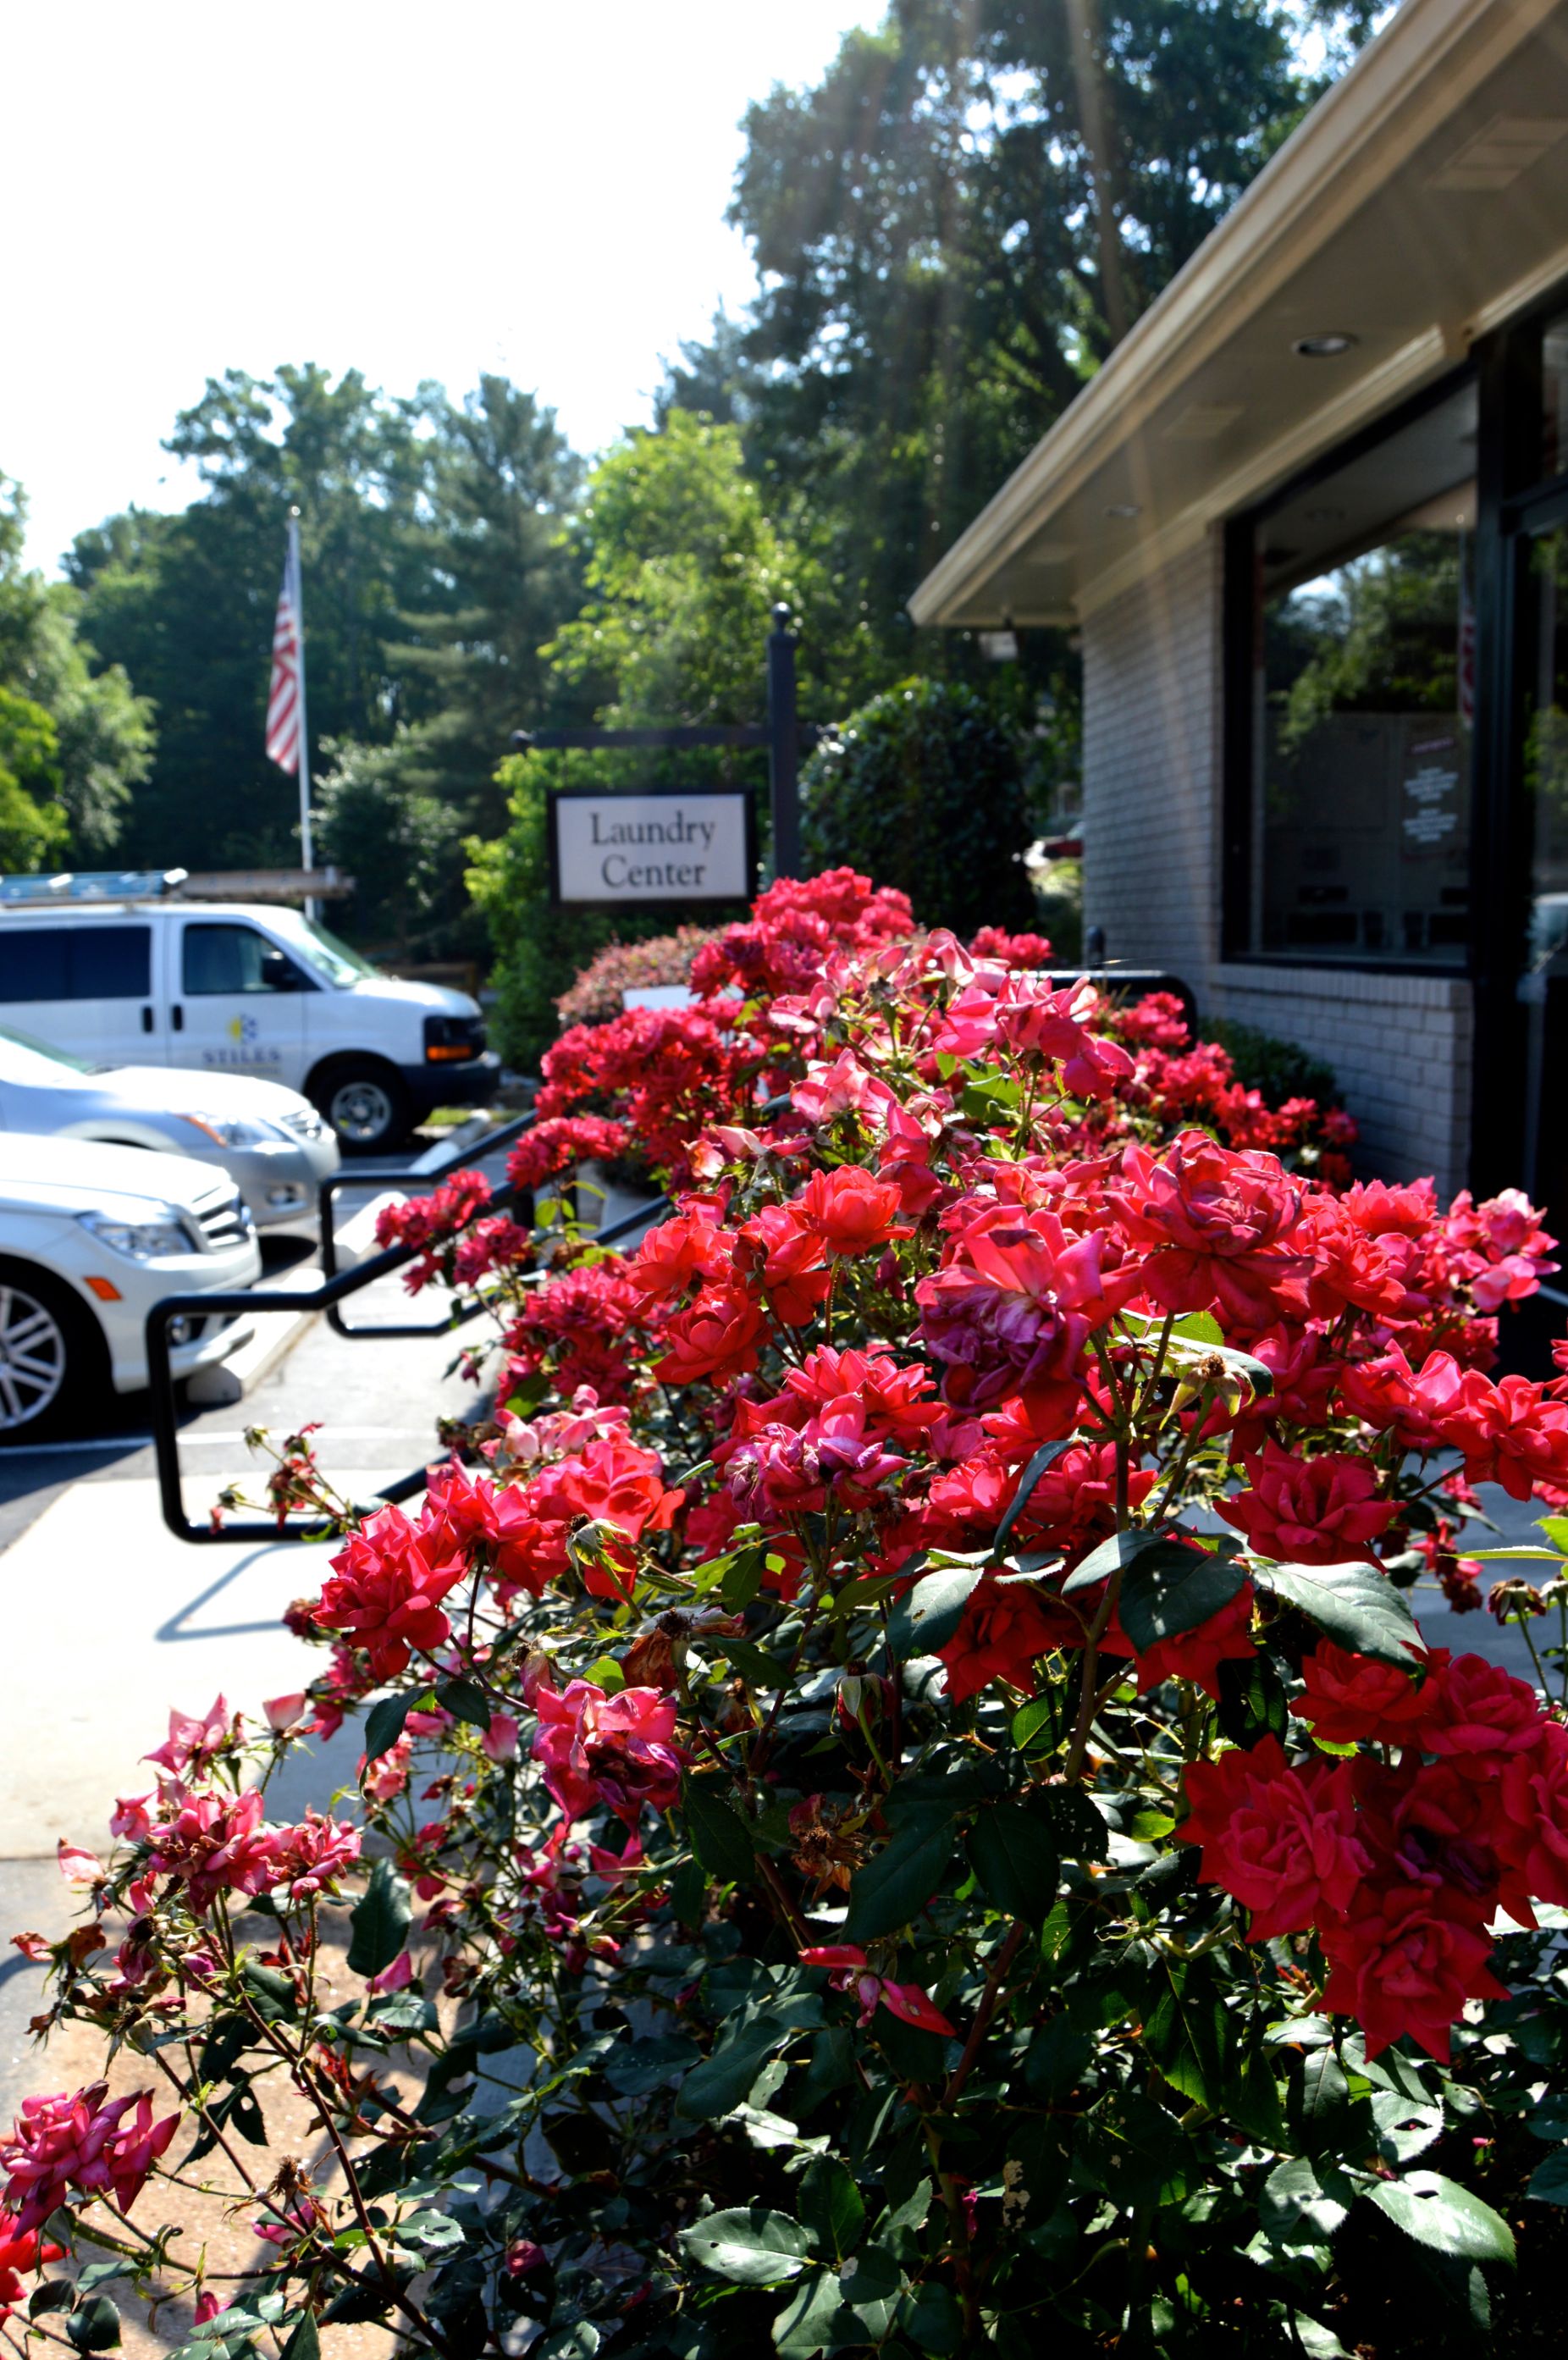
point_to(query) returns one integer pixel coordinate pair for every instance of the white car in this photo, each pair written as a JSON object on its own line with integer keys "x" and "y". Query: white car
{"x": 109, "y": 968}
{"x": 90, "y": 1238}
{"x": 271, "y": 1142}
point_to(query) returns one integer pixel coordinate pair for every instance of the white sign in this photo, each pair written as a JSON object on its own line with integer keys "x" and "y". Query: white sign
{"x": 611, "y": 849}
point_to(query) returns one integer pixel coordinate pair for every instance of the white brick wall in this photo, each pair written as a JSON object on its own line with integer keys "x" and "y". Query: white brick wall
{"x": 1399, "y": 1046}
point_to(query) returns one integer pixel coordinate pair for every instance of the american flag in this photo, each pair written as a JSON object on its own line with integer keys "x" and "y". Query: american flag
{"x": 286, "y": 697}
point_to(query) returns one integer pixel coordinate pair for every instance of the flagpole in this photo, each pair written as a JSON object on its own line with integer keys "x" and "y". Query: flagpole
{"x": 307, "y": 851}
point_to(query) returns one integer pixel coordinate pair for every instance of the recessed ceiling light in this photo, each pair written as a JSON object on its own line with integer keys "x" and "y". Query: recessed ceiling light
{"x": 1124, "y": 508}
{"x": 1325, "y": 346}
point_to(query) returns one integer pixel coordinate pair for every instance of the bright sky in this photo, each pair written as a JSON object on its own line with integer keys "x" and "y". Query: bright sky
{"x": 414, "y": 191}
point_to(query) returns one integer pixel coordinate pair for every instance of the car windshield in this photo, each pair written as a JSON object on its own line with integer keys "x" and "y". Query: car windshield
{"x": 21, "y": 1058}
{"x": 321, "y": 948}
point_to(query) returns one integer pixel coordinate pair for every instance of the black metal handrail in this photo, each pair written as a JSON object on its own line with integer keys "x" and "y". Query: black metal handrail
{"x": 238, "y": 1300}
{"x": 417, "y": 1183}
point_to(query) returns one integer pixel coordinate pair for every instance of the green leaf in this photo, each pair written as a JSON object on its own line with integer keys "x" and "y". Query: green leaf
{"x": 1055, "y": 2058}
{"x": 1122, "y": 1549}
{"x": 51, "y": 2294}
{"x": 465, "y": 1700}
{"x": 1356, "y": 1604}
{"x": 720, "y": 1837}
{"x": 931, "y": 2317}
{"x": 1301, "y": 2205}
{"x": 832, "y": 2208}
{"x": 805, "y": 2325}
{"x": 305, "y": 2343}
{"x": 1013, "y": 1853}
{"x": 1548, "y": 2182}
{"x": 1037, "y": 1727}
{"x": 926, "y": 1617}
{"x": 94, "y": 2326}
{"x": 380, "y": 1920}
{"x": 1185, "y": 2032}
{"x": 720, "y": 2082}
{"x": 887, "y": 1892}
{"x": 1443, "y": 2214}
{"x": 1404, "y": 2131}
{"x": 383, "y": 1724}
{"x": 1048, "y": 1453}
{"x": 1556, "y": 1531}
{"x": 1081, "y": 1832}
{"x": 1173, "y": 1589}
{"x": 752, "y": 2245}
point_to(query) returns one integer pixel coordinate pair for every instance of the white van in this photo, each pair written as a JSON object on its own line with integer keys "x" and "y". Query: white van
{"x": 134, "y": 976}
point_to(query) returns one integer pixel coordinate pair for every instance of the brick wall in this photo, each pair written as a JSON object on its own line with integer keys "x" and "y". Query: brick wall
{"x": 1151, "y": 767}
{"x": 1399, "y": 1046}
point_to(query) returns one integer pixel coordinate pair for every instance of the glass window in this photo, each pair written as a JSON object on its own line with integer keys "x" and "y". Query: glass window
{"x": 39, "y": 963}
{"x": 225, "y": 958}
{"x": 111, "y": 962}
{"x": 1363, "y": 698}
{"x": 34, "y": 963}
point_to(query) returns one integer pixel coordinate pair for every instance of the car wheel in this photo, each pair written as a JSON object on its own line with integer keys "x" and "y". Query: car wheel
{"x": 52, "y": 1360}
{"x": 367, "y": 1104}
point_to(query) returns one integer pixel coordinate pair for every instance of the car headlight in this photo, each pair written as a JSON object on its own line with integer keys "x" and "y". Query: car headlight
{"x": 230, "y": 1131}
{"x": 141, "y": 1241}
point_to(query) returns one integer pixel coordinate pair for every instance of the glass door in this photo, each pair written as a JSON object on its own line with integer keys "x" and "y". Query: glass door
{"x": 1544, "y": 770}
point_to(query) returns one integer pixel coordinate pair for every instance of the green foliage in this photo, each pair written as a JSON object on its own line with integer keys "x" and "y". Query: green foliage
{"x": 383, "y": 819}
{"x": 682, "y": 569}
{"x": 73, "y": 741}
{"x": 922, "y": 789}
{"x": 682, "y": 566}
{"x": 432, "y": 570}
{"x": 1279, "y": 1068}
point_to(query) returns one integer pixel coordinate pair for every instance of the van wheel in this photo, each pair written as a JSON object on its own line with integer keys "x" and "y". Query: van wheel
{"x": 53, "y": 1362}
{"x": 367, "y": 1104}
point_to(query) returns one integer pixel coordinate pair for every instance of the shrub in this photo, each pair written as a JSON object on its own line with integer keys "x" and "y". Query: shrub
{"x": 600, "y": 990}
{"x": 1279, "y": 1068}
{"x": 922, "y": 790}
{"x": 935, "y": 1826}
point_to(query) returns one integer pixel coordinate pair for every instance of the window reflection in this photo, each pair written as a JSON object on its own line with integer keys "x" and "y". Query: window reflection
{"x": 1364, "y": 672}
{"x": 1554, "y": 398}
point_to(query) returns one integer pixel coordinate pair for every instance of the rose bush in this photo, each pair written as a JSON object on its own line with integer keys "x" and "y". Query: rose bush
{"x": 904, "y": 1806}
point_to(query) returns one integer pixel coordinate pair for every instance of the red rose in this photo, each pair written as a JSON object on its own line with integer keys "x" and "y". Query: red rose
{"x": 1349, "y": 1698}
{"x": 386, "y": 1591}
{"x": 1282, "y": 1841}
{"x": 1005, "y": 1626}
{"x": 1307, "y": 1510}
{"x": 719, "y": 1337}
{"x": 851, "y": 1210}
{"x": 1532, "y": 1803}
{"x": 1217, "y": 1227}
{"x": 1406, "y": 1959}
{"x": 1478, "y": 1710}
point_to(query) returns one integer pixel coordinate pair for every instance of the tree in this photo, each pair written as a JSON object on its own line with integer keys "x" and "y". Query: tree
{"x": 73, "y": 741}
{"x": 430, "y": 535}
{"x": 383, "y": 819}
{"x": 503, "y": 481}
{"x": 944, "y": 254}
{"x": 681, "y": 565}
{"x": 922, "y": 789}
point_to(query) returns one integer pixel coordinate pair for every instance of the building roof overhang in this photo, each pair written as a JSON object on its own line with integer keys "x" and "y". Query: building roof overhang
{"x": 1423, "y": 201}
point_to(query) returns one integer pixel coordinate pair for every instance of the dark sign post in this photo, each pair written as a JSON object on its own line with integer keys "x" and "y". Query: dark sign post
{"x": 783, "y": 738}
{"x": 783, "y": 747}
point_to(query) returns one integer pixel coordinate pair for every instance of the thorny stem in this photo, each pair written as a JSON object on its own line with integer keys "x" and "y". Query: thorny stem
{"x": 989, "y": 2000}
